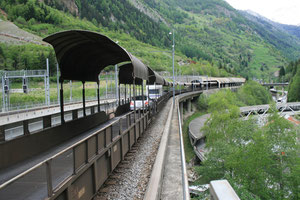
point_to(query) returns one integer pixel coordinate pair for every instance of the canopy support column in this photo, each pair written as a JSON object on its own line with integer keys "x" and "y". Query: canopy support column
{"x": 147, "y": 91}
{"x": 129, "y": 92}
{"x": 125, "y": 93}
{"x": 119, "y": 94}
{"x": 98, "y": 95}
{"x": 134, "y": 94}
{"x": 62, "y": 101}
{"x": 143, "y": 96}
{"x": 83, "y": 97}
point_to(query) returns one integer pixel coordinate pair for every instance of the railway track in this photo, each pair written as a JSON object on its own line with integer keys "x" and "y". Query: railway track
{"x": 129, "y": 180}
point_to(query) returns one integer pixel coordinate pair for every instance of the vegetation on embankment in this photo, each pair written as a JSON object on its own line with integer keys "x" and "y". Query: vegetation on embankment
{"x": 36, "y": 92}
{"x": 188, "y": 148}
{"x": 252, "y": 93}
{"x": 260, "y": 161}
{"x": 294, "y": 86}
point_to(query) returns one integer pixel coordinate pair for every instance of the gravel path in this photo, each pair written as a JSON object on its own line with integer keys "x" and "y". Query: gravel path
{"x": 129, "y": 180}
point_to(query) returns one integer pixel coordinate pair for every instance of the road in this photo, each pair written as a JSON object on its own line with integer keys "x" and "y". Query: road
{"x": 13, "y": 132}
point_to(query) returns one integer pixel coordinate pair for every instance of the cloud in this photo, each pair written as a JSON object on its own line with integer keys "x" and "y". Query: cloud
{"x": 286, "y": 12}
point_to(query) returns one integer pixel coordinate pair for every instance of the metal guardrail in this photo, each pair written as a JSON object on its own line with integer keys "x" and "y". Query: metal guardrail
{"x": 22, "y": 73}
{"x": 275, "y": 84}
{"x": 185, "y": 184}
{"x": 263, "y": 109}
{"x": 20, "y": 107}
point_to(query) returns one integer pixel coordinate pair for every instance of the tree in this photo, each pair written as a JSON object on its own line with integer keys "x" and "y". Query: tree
{"x": 41, "y": 62}
{"x": 260, "y": 161}
{"x": 282, "y": 71}
{"x": 52, "y": 63}
{"x": 15, "y": 60}
{"x": 294, "y": 88}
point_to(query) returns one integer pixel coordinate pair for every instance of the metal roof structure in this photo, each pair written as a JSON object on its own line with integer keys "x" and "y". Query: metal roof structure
{"x": 126, "y": 75}
{"x": 154, "y": 77}
{"x": 82, "y": 55}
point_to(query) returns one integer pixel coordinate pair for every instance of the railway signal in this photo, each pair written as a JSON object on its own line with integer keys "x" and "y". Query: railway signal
{"x": 25, "y": 86}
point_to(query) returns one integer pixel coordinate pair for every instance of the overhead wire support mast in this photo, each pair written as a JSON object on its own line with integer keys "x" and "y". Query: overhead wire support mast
{"x": 173, "y": 51}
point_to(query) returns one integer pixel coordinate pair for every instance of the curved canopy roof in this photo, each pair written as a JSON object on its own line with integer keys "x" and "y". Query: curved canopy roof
{"x": 154, "y": 77}
{"x": 126, "y": 75}
{"x": 83, "y": 54}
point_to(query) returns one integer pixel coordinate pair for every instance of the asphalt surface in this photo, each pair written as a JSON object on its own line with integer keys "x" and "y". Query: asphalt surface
{"x": 196, "y": 125}
{"x": 11, "y": 133}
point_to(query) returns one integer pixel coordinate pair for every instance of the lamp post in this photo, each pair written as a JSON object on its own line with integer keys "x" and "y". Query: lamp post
{"x": 173, "y": 51}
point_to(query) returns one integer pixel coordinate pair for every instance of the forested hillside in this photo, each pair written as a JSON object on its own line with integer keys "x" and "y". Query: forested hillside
{"x": 213, "y": 30}
{"x": 293, "y": 71}
{"x": 283, "y": 37}
{"x": 210, "y": 36}
{"x": 294, "y": 30}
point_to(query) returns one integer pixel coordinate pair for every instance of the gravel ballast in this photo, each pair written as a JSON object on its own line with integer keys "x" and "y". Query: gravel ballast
{"x": 129, "y": 180}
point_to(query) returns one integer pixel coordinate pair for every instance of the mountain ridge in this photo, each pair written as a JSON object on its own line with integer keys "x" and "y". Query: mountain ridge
{"x": 206, "y": 31}
{"x": 291, "y": 29}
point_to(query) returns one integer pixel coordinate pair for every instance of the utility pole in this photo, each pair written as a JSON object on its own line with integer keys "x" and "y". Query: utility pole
{"x": 173, "y": 51}
{"x": 57, "y": 82}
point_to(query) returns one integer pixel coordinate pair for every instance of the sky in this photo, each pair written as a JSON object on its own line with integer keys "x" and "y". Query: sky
{"x": 282, "y": 11}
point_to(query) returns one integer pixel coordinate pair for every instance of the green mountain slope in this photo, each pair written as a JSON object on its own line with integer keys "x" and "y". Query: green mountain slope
{"x": 216, "y": 31}
{"x": 38, "y": 18}
{"x": 210, "y": 32}
{"x": 275, "y": 34}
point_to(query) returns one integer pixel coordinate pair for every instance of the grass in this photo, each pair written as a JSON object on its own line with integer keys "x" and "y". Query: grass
{"x": 188, "y": 148}
{"x": 37, "y": 95}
